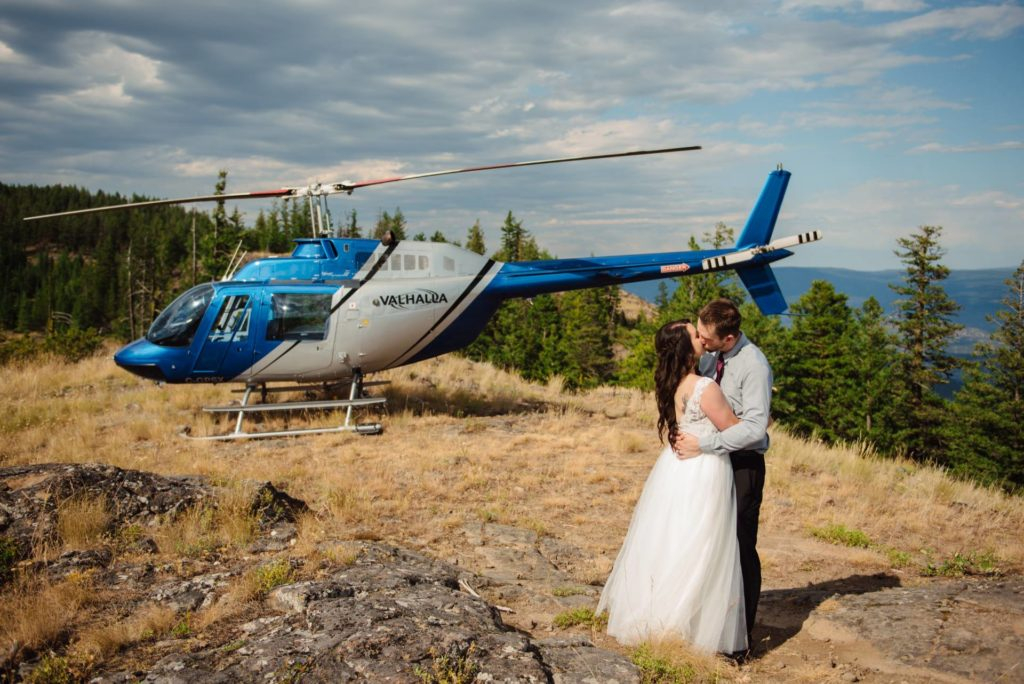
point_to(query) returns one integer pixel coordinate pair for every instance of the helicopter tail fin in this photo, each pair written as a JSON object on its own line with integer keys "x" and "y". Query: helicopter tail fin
{"x": 763, "y": 288}
{"x": 761, "y": 222}
{"x": 760, "y": 280}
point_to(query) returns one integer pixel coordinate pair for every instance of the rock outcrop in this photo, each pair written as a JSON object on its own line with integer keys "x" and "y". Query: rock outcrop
{"x": 382, "y": 613}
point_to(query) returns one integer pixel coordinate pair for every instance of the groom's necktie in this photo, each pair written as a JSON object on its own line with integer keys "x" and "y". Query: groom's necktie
{"x": 719, "y": 367}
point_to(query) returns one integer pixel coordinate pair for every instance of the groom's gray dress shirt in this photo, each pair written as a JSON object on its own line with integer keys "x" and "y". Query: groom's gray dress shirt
{"x": 747, "y": 386}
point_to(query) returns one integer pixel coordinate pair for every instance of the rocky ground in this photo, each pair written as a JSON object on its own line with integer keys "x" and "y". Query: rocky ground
{"x": 371, "y": 611}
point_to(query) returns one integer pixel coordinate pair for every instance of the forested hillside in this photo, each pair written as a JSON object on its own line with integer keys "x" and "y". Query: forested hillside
{"x": 842, "y": 373}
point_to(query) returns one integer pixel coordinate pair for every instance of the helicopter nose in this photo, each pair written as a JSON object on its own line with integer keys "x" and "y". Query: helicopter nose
{"x": 141, "y": 358}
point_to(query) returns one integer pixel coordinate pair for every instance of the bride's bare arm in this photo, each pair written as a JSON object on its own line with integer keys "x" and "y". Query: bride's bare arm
{"x": 716, "y": 408}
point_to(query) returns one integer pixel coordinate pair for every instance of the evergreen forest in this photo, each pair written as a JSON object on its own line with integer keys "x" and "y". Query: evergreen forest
{"x": 841, "y": 374}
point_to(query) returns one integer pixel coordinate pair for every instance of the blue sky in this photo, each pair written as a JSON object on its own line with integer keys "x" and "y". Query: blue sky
{"x": 891, "y": 114}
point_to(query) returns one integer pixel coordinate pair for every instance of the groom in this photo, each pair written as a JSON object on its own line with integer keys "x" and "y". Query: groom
{"x": 746, "y": 380}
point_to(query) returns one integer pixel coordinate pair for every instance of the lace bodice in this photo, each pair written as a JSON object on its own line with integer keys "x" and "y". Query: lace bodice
{"x": 693, "y": 418}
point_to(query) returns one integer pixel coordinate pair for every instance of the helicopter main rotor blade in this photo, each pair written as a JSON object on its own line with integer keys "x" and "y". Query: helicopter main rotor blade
{"x": 319, "y": 189}
{"x": 284, "y": 192}
{"x": 349, "y": 187}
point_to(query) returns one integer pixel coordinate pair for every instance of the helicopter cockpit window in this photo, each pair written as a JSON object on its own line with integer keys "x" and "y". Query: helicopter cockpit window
{"x": 176, "y": 325}
{"x": 299, "y": 316}
{"x": 309, "y": 250}
{"x": 232, "y": 321}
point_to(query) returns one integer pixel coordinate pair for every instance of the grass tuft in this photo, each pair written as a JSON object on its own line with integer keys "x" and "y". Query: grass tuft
{"x": 580, "y": 616}
{"x": 842, "y": 535}
{"x": 960, "y": 564}
{"x": 454, "y": 665}
{"x": 82, "y": 521}
{"x": 261, "y": 580}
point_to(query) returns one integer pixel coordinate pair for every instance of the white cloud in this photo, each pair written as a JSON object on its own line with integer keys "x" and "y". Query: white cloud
{"x": 974, "y": 147}
{"x": 8, "y": 55}
{"x": 980, "y": 229}
{"x": 982, "y": 21}
{"x": 994, "y": 198}
{"x": 854, "y": 5}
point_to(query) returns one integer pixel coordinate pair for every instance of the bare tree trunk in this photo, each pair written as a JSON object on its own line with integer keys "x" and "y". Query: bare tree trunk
{"x": 131, "y": 294}
{"x": 193, "y": 248}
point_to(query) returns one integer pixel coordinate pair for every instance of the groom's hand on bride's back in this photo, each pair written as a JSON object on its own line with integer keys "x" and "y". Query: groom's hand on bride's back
{"x": 686, "y": 446}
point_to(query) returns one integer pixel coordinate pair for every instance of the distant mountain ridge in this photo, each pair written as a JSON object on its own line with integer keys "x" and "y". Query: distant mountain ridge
{"x": 979, "y": 292}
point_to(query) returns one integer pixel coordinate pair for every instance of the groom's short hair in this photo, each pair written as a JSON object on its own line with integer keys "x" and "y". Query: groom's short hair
{"x": 723, "y": 316}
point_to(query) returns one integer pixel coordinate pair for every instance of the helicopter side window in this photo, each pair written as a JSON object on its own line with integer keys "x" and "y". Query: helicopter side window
{"x": 299, "y": 316}
{"x": 232, "y": 320}
{"x": 396, "y": 262}
{"x": 176, "y": 325}
{"x": 424, "y": 263}
{"x": 448, "y": 263}
{"x": 410, "y": 262}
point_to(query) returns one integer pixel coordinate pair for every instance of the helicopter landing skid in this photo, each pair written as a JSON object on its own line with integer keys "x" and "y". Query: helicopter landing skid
{"x": 354, "y": 401}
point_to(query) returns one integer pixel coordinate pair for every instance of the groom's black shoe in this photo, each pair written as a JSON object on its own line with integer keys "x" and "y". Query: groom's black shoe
{"x": 738, "y": 657}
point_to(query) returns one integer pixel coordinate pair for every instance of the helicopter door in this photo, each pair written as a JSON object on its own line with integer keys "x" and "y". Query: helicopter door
{"x": 228, "y": 346}
{"x": 292, "y": 339}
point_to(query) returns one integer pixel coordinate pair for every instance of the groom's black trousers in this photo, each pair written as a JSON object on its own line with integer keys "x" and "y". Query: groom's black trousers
{"x": 748, "y": 473}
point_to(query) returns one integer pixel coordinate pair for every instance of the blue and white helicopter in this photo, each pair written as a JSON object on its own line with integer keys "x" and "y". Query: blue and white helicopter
{"x": 337, "y": 309}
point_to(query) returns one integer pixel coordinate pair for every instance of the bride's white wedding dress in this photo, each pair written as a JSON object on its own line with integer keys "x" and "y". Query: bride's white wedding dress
{"x": 678, "y": 572}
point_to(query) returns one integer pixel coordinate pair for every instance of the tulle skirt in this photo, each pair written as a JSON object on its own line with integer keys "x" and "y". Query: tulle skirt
{"x": 678, "y": 572}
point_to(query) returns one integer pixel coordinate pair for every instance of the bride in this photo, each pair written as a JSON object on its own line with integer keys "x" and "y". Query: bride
{"x": 678, "y": 572}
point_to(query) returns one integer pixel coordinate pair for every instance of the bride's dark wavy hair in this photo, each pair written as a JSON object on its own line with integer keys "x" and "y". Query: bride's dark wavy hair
{"x": 676, "y": 358}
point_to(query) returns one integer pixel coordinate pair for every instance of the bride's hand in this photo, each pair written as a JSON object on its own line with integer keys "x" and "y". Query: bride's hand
{"x": 686, "y": 446}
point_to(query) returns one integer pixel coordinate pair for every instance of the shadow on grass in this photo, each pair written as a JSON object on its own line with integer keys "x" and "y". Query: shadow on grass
{"x": 422, "y": 400}
{"x": 460, "y": 403}
{"x": 781, "y": 613}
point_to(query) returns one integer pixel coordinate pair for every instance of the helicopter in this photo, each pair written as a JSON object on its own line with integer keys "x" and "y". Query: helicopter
{"x": 338, "y": 309}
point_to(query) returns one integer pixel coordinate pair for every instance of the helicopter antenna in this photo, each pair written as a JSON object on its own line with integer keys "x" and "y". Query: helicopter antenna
{"x": 230, "y": 270}
{"x": 321, "y": 190}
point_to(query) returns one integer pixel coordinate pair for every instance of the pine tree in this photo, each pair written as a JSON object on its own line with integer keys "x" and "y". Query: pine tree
{"x": 396, "y": 224}
{"x": 814, "y": 376}
{"x": 874, "y": 355}
{"x": 475, "y": 239}
{"x": 924, "y": 328}
{"x": 986, "y": 430}
{"x": 351, "y": 229}
{"x": 588, "y": 328}
{"x": 513, "y": 237}
{"x": 219, "y": 244}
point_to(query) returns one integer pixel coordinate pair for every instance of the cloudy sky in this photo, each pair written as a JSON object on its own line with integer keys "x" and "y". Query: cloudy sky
{"x": 890, "y": 114}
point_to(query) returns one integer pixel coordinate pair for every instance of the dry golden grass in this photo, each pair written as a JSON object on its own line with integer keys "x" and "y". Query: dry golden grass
{"x": 227, "y": 525}
{"x": 37, "y": 614}
{"x": 82, "y": 521}
{"x": 150, "y": 622}
{"x": 897, "y": 503}
{"x": 465, "y": 442}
